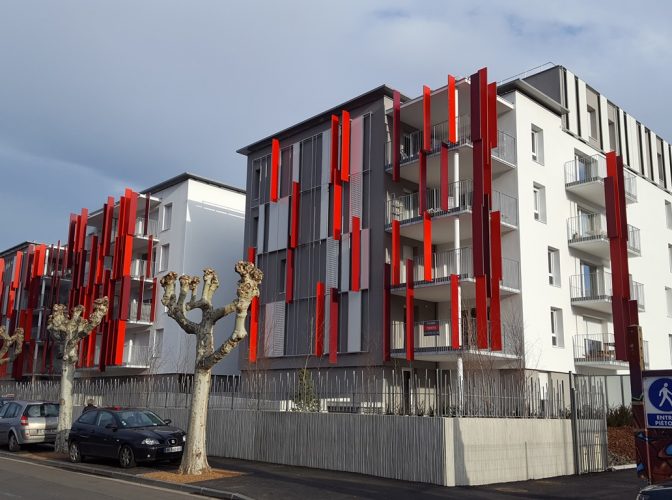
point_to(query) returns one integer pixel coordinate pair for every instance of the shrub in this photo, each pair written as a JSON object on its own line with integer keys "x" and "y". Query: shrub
{"x": 619, "y": 416}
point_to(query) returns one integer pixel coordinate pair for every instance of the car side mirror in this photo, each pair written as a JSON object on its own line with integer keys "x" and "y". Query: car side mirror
{"x": 167, "y": 421}
{"x": 111, "y": 426}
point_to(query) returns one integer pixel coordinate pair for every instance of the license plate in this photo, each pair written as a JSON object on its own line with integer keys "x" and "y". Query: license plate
{"x": 173, "y": 449}
{"x": 37, "y": 432}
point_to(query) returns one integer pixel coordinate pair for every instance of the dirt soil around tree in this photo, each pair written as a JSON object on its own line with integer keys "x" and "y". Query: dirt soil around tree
{"x": 621, "y": 445}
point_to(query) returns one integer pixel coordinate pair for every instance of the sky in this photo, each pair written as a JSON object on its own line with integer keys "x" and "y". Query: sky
{"x": 97, "y": 96}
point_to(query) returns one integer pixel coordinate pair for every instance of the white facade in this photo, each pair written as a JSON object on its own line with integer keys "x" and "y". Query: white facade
{"x": 205, "y": 230}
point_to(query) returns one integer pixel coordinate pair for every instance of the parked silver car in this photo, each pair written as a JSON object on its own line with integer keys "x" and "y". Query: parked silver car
{"x": 28, "y": 422}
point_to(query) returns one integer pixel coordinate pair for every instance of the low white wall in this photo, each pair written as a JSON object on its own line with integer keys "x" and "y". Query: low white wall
{"x": 444, "y": 451}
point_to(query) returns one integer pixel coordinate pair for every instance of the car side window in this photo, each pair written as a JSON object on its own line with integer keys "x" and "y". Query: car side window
{"x": 3, "y": 410}
{"x": 105, "y": 418}
{"x": 88, "y": 418}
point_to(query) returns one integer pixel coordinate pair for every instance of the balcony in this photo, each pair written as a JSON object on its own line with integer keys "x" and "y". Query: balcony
{"x": 435, "y": 346}
{"x": 406, "y": 210}
{"x": 139, "y": 269}
{"x": 584, "y": 176}
{"x": 598, "y": 350}
{"x": 136, "y": 356}
{"x": 594, "y": 291}
{"x": 411, "y": 144}
{"x": 152, "y": 227}
{"x": 140, "y": 313}
{"x": 457, "y": 261}
{"x": 588, "y": 233}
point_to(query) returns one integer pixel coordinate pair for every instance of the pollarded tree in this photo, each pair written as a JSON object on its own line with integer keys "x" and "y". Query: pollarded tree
{"x": 194, "y": 459}
{"x": 67, "y": 332}
{"x": 8, "y": 341}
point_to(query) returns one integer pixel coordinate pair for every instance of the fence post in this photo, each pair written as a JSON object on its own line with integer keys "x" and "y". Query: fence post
{"x": 573, "y": 411}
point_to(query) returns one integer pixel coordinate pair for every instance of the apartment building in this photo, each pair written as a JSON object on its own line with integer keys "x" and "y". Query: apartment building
{"x": 465, "y": 225}
{"x": 121, "y": 250}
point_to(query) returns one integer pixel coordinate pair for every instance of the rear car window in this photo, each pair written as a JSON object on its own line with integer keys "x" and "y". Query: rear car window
{"x": 42, "y": 410}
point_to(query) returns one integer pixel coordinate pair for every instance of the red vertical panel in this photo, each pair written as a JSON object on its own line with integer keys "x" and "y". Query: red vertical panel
{"x": 426, "y": 118}
{"x": 319, "y": 319}
{"x": 152, "y": 309}
{"x": 427, "y": 244}
{"x": 454, "y": 311}
{"x": 146, "y": 221}
{"x": 84, "y": 219}
{"x": 127, "y": 254}
{"x": 452, "y": 111}
{"x": 481, "y": 313}
{"x": 108, "y": 228}
{"x": 334, "y": 148}
{"x": 495, "y": 318}
{"x": 444, "y": 177}
{"x": 40, "y": 255}
{"x": 410, "y": 319}
{"x": 131, "y": 212}
{"x": 2, "y": 284}
{"x": 492, "y": 114}
{"x": 289, "y": 277}
{"x": 345, "y": 146}
{"x": 422, "y": 193}
{"x": 93, "y": 261}
{"x": 333, "y": 326}
{"x": 120, "y": 327}
{"x": 71, "y": 240}
{"x": 150, "y": 251}
{"x": 254, "y": 315}
{"x": 124, "y": 297}
{"x": 396, "y": 252}
{"x": 396, "y": 136}
{"x": 355, "y": 255}
{"x": 275, "y": 167}
{"x": 17, "y": 270}
{"x": 338, "y": 206}
{"x": 496, "y": 245}
{"x": 386, "y": 313}
{"x": 294, "y": 235}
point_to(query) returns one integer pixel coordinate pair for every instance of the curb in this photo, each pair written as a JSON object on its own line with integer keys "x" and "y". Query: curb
{"x": 132, "y": 478}
{"x": 623, "y": 467}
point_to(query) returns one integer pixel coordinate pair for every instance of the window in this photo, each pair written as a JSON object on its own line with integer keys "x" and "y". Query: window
{"x": 88, "y": 418}
{"x": 537, "y": 144}
{"x": 669, "y": 338}
{"x": 105, "y": 418}
{"x": 256, "y": 179}
{"x": 157, "y": 343}
{"x": 669, "y": 255}
{"x": 668, "y": 299}
{"x": 668, "y": 214}
{"x": 556, "y": 327}
{"x": 592, "y": 121}
{"x": 167, "y": 216}
{"x": 553, "y": 266}
{"x": 165, "y": 254}
{"x": 539, "y": 194}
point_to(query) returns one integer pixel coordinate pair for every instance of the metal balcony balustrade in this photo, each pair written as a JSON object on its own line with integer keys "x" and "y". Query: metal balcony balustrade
{"x": 406, "y": 208}
{"x": 152, "y": 227}
{"x": 600, "y": 349}
{"x": 591, "y": 287}
{"x": 459, "y": 261}
{"x": 136, "y": 356}
{"x": 412, "y": 142}
{"x": 139, "y": 269}
{"x": 145, "y": 312}
{"x": 442, "y": 342}
{"x": 588, "y": 169}
{"x": 592, "y": 227}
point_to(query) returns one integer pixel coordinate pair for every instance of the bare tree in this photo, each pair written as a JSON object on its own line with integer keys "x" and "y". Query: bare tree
{"x": 194, "y": 459}
{"x": 8, "y": 341}
{"x": 67, "y": 332}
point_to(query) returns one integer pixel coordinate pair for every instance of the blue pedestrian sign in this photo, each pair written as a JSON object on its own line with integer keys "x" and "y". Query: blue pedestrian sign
{"x": 658, "y": 401}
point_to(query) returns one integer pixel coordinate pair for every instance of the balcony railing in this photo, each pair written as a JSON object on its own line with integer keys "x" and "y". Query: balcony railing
{"x": 634, "y": 243}
{"x": 585, "y": 169}
{"x": 630, "y": 185}
{"x": 442, "y": 342}
{"x": 152, "y": 226}
{"x": 406, "y": 208}
{"x": 136, "y": 356}
{"x": 598, "y": 286}
{"x": 139, "y": 269}
{"x": 412, "y": 143}
{"x": 145, "y": 312}
{"x": 600, "y": 348}
{"x": 587, "y": 227}
{"x": 459, "y": 261}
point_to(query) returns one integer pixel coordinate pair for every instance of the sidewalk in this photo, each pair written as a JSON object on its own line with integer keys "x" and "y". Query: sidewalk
{"x": 261, "y": 481}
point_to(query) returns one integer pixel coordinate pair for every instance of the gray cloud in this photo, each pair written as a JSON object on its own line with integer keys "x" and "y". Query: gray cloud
{"x": 97, "y": 96}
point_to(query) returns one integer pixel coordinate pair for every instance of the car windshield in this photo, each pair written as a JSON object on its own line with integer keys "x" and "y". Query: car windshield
{"x": 138, "y": 418}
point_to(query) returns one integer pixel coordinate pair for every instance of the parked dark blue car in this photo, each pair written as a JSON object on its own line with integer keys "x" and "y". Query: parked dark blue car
{"x": 129, "y": 435}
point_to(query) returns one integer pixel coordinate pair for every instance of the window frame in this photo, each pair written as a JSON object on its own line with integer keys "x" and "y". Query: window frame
{"x": 167, "y": 209}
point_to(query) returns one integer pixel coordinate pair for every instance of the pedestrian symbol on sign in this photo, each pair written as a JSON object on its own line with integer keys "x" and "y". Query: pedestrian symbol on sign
{"x": 660, "y": 394}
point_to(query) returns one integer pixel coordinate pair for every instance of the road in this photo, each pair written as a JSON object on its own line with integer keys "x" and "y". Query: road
{"x": 19, "y": 479}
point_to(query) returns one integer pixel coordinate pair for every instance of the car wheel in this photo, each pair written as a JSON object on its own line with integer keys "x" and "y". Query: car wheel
{"x": 13, "y": 443}
{"x": 75, "y": 455}
{"x": 126, "y": 457}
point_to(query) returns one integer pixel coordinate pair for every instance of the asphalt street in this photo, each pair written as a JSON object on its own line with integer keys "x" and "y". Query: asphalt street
{"x": 19, "y": 479}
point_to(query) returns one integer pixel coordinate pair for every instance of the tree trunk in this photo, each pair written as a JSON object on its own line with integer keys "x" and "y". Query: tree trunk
{"x": 65, "y": 412}
{"x": 195, "y": 458}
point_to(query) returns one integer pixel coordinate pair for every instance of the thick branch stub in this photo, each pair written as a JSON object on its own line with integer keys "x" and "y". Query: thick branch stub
{"x": 175, "y": 307}
{"x": 8, "y": 341}
{"x": 68, "y": 331}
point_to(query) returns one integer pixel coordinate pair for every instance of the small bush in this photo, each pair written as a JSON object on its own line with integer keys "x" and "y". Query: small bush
{"x": 619, "y": 416}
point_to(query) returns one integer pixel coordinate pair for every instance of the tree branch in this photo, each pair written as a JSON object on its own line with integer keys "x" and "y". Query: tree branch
{"x": 239, "y": 333}
{"x": 176, "y": 308}
{"x": 223, "y": 311}
{"x": 9, "y": 341}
